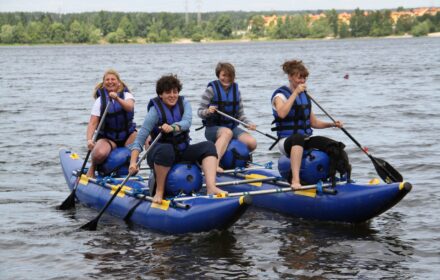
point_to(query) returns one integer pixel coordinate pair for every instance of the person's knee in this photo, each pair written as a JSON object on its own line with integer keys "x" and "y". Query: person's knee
{"x": 225, "y": 133}
{"x": 293, "y": 140}
{"x": 252, "y": 144}
{"x": 99, "y": 155}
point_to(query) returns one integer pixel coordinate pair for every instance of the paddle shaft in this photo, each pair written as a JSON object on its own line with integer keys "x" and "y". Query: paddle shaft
{"x": 391, "y": 174}
{"x": 69, "y": 202}
{"x": 92, "y": 224}
{"x": 244, "y": 124}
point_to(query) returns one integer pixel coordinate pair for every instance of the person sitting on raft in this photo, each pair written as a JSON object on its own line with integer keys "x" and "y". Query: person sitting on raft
{"x": 294, "y": 119}
{"x": 171, "y": 114}
{"x": 119, "y": 129}
{"x": 223, "y": 94}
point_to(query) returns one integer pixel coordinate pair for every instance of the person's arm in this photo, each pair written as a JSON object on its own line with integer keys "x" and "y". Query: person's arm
{"x": 204, "y": 109}
{"x": 91, "y": 127}
{"x": 185, "y": 123}
{"x": 283, "y": 108}
{"x": 317, "y": 123}
{"x": 126, "y": 104}
{"x": 150, "y": 121}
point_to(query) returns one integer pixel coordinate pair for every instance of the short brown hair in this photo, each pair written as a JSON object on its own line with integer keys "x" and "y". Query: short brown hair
{"x": 227, "y": 67}
{"x": 294, "y": 67}
{"x": 167, "y": 83}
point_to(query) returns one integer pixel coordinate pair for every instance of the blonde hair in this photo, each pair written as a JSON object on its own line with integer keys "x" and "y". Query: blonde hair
{"x": 100, "y": 85}
{"x": 295, "y": 67}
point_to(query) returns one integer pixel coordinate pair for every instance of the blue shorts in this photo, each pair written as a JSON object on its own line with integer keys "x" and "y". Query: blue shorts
{"x": 211, "y": 132}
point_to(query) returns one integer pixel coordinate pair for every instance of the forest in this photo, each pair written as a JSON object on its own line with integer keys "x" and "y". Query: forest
{"x": 140, "y": 27}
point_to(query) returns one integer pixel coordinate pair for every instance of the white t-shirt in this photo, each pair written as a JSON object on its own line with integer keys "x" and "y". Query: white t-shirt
{"x": 280, "y": 143}
{"x": 96, "y": 109}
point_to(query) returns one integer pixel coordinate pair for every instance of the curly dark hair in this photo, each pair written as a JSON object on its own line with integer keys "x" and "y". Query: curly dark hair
{"x": 167, "y": 83}
{"x": 294, "y": 67}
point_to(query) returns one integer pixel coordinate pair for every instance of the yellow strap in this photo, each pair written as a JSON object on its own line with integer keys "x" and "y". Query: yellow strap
{"x": 164, "y": 206}
{"x": 374, "y": 181}
{"x": 255, "y": 176}
{"x": 309, "y": 193}
{"x": 84, "y": 180}
{"x": 74, "y": 156}
{"x": 121, "y": 193}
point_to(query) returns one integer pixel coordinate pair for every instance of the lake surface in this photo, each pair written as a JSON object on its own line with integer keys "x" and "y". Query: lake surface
{"x": 390, "y": 103}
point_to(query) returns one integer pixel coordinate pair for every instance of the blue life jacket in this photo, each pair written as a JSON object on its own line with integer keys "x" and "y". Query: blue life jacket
{"x": 227, "y": 102}
{"x": 118, "y": 124}
{"x": 169, "y": 116}
{"x": 297, "y": 120}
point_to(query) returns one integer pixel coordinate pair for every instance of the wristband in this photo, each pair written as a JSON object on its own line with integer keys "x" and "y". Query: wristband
{"x": 174, "y": 127}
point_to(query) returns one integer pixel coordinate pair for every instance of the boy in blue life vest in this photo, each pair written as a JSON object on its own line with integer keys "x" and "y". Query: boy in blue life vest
{"x": 223, "y": 95}
{"x": 119, "y": 129}
{"x": 171, "y": 114}
{"x": 294, "y": 120}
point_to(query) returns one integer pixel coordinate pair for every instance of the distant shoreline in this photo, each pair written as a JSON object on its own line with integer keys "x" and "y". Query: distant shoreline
{"x": 184, "y": 41}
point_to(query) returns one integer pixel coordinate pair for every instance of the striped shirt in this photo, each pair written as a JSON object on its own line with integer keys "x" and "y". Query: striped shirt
{"x": 207, "y": 97}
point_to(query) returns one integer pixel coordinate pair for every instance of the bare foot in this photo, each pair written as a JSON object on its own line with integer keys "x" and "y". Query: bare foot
{"x": 158, "y": 198}
{"x": 215, "y": 190}
{"x": 220, "y": 170}
{"x": 295, "y": 186}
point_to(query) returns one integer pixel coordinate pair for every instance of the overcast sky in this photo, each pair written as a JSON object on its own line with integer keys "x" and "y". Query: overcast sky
{"x": 76, "y": 6}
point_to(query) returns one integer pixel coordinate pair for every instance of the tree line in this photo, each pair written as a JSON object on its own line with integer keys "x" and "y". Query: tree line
{"x": 119, "y": 27}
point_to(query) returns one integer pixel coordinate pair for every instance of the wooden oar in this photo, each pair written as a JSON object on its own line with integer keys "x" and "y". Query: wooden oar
{"x": 69, "y": 202}
{"x": 244, "y": 124}
{"x": 93, "y": 223}
{"x": 388, "y": 173}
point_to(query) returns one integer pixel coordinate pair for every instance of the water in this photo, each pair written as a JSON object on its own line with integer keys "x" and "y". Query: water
{"x": 389, "y": 103}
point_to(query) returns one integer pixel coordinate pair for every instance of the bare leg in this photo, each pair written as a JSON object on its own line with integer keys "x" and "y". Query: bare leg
{"x": 161, "y": 174}
{"x": 209, "y": 166}
{"x": 249, "y": 140}
{"x": 99, "y": 154}
{"x": 295, "y": 162}
{"x": 223, "y": 139}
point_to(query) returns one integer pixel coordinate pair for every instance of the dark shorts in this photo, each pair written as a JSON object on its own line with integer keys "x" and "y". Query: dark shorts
{"x": 165, "y": 155}
{"x": 119, "y": 144}
{"x": 211, "y": 132}
{"x": 315, "y": 142}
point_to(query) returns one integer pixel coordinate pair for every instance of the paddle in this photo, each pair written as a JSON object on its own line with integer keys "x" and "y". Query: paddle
{"x": 383, "y": 168}
{"x": 93, "y": 223}
{"x": 69, "y": 202}
{"x": 244, "y": 124}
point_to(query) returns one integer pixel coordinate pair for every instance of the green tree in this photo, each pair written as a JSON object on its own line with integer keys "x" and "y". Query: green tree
{"x": 7, "y": 36}
{"x": 77, "y": 33}
{"x": 333, "y": 22}
{"x": 344, "y": 30}
{"x": 126, "y": 26}
{"x": 320, "y": 28}
{"x": 223, "y": 26}
{"x": 20, "y": 35}
{"x": 421, "y": 29}
{"x": 404, "y": 24}
{"x": 359, "y": 24}
{"x": 257, "y": 28}
{"x": 57, "y": 32}
{"x": 297, "y": 27}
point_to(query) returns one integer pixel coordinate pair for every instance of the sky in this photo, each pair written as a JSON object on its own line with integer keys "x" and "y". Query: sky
{"x": 77, "y": 6}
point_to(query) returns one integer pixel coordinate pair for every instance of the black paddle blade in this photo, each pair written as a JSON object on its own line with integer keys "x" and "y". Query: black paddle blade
{"x": 69, "y": 203}
{"x": 386, "y": 171}
{"x": 92, "y": 225}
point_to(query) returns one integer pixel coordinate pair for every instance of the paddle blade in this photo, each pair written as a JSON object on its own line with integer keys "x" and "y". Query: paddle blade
{"x": 386, "y": 171}
{"x": 69, "y": 203}
{"x": 92, "y": 225}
